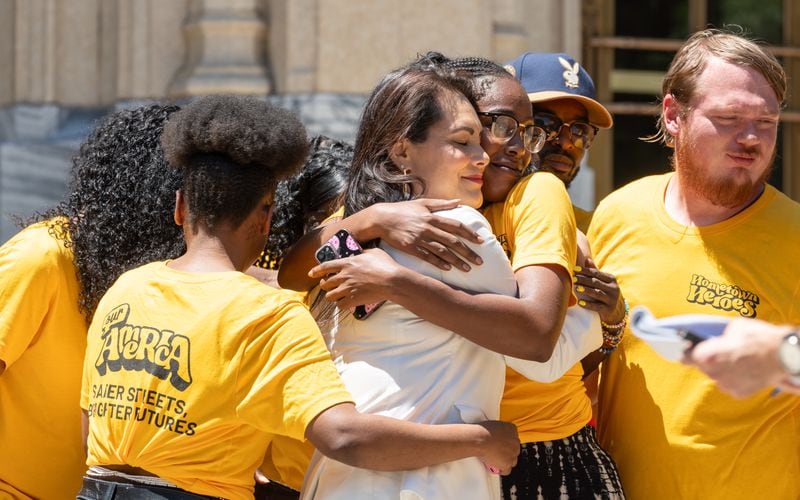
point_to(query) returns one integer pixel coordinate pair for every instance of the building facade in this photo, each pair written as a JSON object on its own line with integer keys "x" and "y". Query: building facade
{"x": 71, "y": 61}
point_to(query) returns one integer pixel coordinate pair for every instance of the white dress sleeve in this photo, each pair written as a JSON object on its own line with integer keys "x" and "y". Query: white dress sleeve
{"x": 580, "y": 335}
{"x": 581, "y": 332}
{"x": 493, "y": 276}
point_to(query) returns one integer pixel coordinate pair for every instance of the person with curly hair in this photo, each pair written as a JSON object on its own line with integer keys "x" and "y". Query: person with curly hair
{"x": 116, "y": 215}
{"x": 192, "y": 367}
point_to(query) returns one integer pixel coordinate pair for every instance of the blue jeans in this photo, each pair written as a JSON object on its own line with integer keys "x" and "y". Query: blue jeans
{"x": 97, "y": 489}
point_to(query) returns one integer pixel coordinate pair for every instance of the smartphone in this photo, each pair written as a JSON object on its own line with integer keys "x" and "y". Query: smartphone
{"x": 341, "y": 245}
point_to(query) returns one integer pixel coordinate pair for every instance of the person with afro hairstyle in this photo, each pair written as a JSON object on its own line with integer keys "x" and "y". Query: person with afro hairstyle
{"x": 192, "y": 367}
{"x": 117, "y": 215}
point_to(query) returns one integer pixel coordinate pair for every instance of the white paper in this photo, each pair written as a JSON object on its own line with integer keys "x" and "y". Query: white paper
{"x": 664, "y": 334}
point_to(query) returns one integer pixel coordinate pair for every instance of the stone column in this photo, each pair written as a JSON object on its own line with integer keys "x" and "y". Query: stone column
{"x": 510, "y": 27}
{"x": 34, "y": 51}
{"x": 226, "y": 50}
{"x": 293, "y": 42}
{"x": 148, "y": 46}
{"x": 7, "y": 31}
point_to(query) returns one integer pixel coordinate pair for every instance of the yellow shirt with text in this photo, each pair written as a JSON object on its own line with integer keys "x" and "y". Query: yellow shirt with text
{"x": 536, "y": 225}
{"x": 190, "y": 376}
{"x": 672, "y": 433}
{"x": 42, "y": 340}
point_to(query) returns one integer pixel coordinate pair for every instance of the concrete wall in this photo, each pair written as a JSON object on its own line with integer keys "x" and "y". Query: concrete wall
{"x": 71, "y": 61}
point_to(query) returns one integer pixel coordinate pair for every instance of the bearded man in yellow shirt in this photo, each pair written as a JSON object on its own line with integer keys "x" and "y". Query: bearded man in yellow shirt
{"x": 710, "y": 238}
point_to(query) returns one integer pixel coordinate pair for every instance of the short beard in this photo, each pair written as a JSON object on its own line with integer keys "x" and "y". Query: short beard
{"x": 722, "y": 192}
{"x": 539, "y": 160}
{"x": 568, "y": 183}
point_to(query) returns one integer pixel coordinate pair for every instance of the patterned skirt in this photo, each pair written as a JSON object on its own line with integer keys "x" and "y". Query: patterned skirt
{"x": 575, "y": 467}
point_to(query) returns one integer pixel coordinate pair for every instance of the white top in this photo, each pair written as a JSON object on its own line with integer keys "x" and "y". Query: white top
{"x": 399, "y": 365}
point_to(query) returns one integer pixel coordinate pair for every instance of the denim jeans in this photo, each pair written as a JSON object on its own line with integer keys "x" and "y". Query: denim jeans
{"x": 98, "y": 489}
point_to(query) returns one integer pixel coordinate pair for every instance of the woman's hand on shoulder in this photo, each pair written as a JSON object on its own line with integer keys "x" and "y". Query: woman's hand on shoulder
{"x": 599, "y": 291}
{"x": 414, "y": 228}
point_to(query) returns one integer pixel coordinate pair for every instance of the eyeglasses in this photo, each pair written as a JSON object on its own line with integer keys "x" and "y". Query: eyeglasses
{"x": 504, "y": 127}
{"x": 581, "y": 133}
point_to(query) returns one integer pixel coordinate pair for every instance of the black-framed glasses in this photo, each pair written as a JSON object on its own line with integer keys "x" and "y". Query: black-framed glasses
{"x": 581, "y": 133}
{"x": 504, "y": 127}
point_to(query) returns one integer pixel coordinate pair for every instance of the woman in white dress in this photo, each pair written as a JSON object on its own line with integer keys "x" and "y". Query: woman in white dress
{"x": 420, "y": 137}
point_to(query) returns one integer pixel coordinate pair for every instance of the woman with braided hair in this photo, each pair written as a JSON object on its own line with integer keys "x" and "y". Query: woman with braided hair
{"x": 117, "y": 215}
{"x": 560, "y": 455}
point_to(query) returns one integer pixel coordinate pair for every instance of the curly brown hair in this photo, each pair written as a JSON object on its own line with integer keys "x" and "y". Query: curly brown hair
{"x": 117, "y": 214}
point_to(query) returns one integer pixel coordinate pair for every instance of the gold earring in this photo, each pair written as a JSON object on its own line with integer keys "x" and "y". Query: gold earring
{"x": 406, "y": 185}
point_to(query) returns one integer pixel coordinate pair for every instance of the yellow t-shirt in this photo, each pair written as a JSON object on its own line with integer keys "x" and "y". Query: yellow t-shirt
{"x": 42, "y": 340}
{"x": 536, "y": 225}
{"x": 287, "y": 459}
{"x": 190, "y": 376}
{"x": 672, "y": 433}
{"x": 582, "y": 218}
{"x": 337, "y": 214}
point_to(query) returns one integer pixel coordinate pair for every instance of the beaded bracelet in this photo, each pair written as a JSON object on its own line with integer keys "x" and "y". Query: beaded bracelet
{"x": 621, "y": 324}
{"x": 607, "y": 350}
{"x": 612, "y": 334}
{"x": 610, "y": 343}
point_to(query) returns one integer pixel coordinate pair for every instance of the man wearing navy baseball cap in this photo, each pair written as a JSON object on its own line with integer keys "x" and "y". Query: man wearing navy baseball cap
{"x": 563, "y": 97}
{"x": 553, "y": 419}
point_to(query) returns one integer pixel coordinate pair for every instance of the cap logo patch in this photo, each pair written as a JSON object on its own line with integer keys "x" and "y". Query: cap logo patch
{"x": 571, "y": 73}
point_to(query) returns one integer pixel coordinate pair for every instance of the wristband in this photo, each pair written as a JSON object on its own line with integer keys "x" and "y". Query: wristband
{"x": 621, "y": 324}
{"x": 612, "y": 334}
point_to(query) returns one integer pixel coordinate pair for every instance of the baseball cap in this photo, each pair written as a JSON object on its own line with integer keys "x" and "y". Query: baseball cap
{"x": 547, "y": 76}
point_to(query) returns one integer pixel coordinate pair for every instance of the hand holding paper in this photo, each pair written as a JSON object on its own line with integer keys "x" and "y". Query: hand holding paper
{"x": 672, "y": 335}
{"x": 744, "y": 359}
